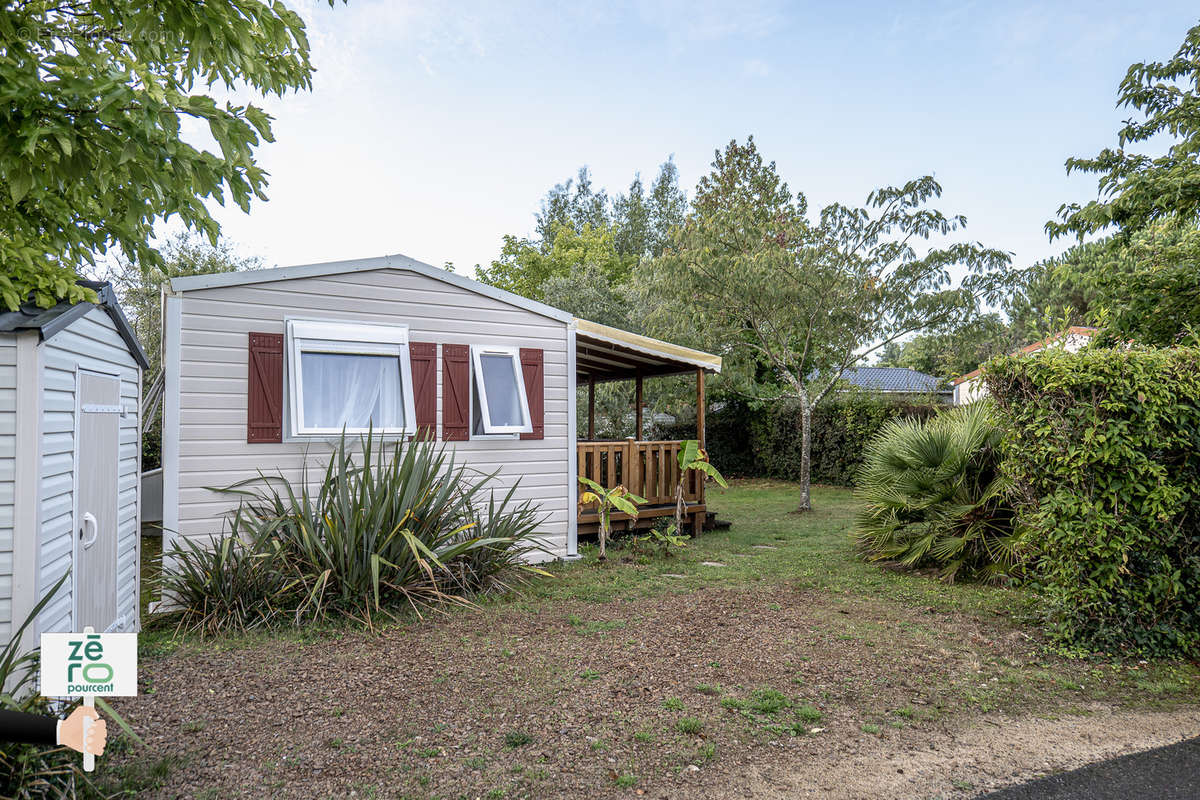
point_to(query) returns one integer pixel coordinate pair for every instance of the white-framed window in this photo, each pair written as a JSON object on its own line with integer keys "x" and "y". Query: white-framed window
{"x": 498, "y": 401}
{"x": 349, "y": 376}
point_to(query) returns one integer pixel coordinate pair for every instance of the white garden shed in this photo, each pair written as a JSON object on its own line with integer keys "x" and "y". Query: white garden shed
{"x": 70, "y": 445}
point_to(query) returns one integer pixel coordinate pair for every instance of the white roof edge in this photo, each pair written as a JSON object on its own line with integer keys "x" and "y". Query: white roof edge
{"x": 246, "y": 277}
{"x": 647, "y": 345}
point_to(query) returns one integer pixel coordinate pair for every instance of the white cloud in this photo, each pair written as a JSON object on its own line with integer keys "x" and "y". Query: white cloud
{"x": 755, "y": 68}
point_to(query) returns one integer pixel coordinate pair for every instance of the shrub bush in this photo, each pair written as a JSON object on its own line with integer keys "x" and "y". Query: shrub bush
{"x": 26, "y": 770}
{"x": 763, "y": 441}
{"x": 385, "y": 529}
{"x": 1103, "y": 450}
{"x": 933, "y": 495}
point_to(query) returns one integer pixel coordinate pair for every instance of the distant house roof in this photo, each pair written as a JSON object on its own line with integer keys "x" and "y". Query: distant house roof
{"x": 893, "y": 379}
{"x": 49, "y": 321}
{"x": 1077, "y": 330}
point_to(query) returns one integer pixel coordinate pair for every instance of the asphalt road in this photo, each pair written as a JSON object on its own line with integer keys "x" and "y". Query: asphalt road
{"x": 1167, "y": 773}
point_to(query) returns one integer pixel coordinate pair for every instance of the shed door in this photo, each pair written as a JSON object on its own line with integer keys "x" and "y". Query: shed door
{"x": 98, "y": 433}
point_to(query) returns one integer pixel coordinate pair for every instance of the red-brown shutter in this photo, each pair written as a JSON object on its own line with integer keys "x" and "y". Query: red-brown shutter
{"x": 456, "y": 392}
{"x": 264, "y": 389}
{"x": 423, "y": 357}
{"x": 534, "y": 371}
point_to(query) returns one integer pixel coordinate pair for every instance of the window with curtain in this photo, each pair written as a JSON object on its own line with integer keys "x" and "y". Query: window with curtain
{"x": 347, "y": 376}
{"x": 498, "y": 401}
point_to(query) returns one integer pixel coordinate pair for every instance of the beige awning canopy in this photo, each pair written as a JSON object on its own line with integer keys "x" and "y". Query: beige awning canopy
{"x": 611, "y": 354}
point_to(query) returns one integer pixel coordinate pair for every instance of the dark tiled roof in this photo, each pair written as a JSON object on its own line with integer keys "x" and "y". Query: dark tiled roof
{"x": 892, "y": 379}
{"x": 49, "y": 321}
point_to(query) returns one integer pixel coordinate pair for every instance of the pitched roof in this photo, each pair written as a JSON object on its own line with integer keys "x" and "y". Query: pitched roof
{"x": 1078, "y": 330}
{"x": 49, "y": 321}
{"x": 244, "y": 277}
{"x": 892, "y": 379}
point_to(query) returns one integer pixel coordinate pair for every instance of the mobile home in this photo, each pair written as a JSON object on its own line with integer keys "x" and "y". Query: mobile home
{"x": 264, "y": 368}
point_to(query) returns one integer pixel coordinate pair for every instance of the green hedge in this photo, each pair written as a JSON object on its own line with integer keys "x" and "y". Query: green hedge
{"x": 1103, "y": 449}
{"x": 764, "y": 441}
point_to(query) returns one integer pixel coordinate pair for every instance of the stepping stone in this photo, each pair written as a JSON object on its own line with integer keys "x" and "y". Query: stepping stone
{"x": 711, "y": 564}
{"x": 743, "y": 555}
{"x": 764, "y": 547}
{"x": 671, "y": 575}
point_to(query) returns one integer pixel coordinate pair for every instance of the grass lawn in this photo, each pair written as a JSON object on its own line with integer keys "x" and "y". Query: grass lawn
{"x": 762, "y": 648}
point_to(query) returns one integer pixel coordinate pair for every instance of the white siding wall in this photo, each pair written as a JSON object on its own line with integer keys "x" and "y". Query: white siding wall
{"x": 8, "y": 444}
{"x": 91, "y": 342}
{"x": 212, "y": 381}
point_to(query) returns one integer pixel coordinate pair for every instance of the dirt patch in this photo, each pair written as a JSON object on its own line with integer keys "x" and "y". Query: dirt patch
{"x": 764, "y": 690}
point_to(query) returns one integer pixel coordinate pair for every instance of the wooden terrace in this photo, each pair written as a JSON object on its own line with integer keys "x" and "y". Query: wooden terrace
{"x": 646, "y": 468}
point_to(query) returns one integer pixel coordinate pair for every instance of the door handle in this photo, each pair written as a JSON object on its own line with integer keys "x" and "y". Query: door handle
{"x": 89, "y": 521}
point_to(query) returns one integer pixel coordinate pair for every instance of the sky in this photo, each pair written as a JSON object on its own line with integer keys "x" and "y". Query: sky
{"x": 434, "y": 128}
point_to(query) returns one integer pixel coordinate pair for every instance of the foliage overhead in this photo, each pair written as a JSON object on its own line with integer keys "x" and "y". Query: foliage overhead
{"x": 1144, "y": 283}
{"x": 1137, "y": 190}
{"x": 579, "y": 226}
{"x": 1061, "y": 291}
{"x": 524, "y": 266}
{"x": 140, "y": 294}
{"x": 948, "y": 354}
{"x": 140, "y": 290}
{"x": 809, "y": 299}
{"x": 792, "y": 302}
{"x": 1143, "y": 288}
{"x": 97, "y": 95}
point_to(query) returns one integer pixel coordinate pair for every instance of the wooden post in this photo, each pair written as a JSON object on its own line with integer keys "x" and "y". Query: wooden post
{"x": 631, "y": 472}
{"x": 637, "y": 413}
{"x": 591, "y": 408}
{"x": 698, "y": 519}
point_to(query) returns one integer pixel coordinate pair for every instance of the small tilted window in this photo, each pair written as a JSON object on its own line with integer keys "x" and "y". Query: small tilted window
{"x": 498, "y": 401}
{"x": 349, "y": 376}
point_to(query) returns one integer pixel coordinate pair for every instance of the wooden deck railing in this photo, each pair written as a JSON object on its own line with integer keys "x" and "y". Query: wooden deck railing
{"x": 649, "y": 469}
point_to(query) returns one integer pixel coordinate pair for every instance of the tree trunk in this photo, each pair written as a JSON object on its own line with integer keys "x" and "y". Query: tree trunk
{"x": 805, "y": 457}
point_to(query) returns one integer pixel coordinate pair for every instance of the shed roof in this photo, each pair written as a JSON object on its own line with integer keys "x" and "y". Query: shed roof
{"x": 893, "y": 379}
{"x": 49, "y": 321}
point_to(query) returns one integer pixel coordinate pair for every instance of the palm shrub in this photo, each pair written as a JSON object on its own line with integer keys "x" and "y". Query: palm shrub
{"x": 933, "y": 495}
{"x": 383, "y": 529}
{"x": 236, "y": 582}
{"x": 507, "y": 533}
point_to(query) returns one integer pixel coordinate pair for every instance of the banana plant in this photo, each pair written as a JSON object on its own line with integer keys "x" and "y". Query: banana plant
{"x": 692, "y": 457}
{"x": 606, "y": 500}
